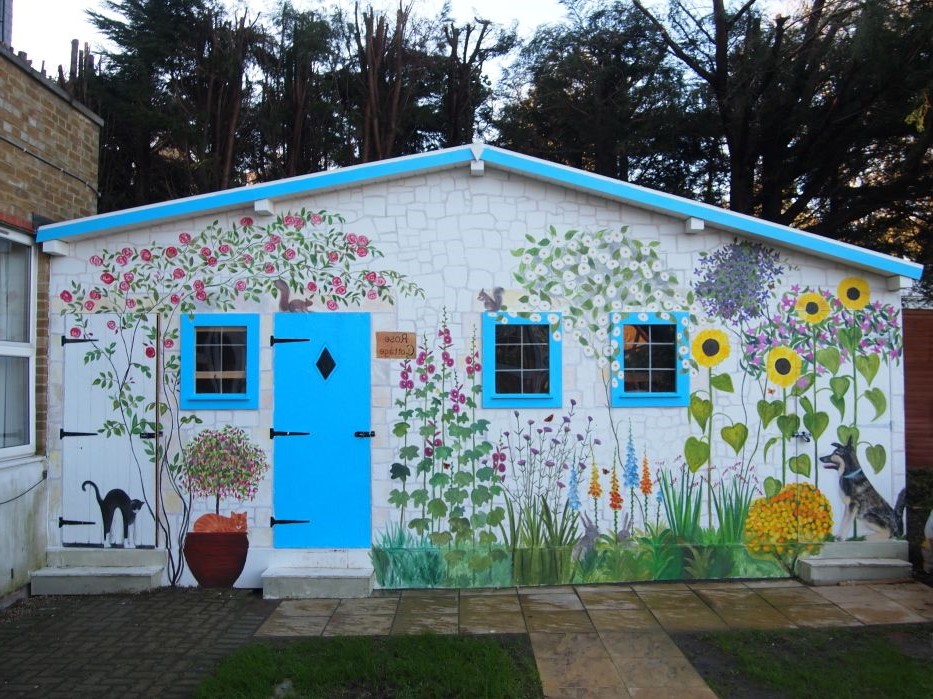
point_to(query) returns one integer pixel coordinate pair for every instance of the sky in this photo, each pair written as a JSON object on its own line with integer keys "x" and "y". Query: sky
{"x": 44, "y": 28}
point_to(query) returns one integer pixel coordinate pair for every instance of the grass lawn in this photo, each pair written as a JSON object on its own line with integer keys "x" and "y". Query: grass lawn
{"x": 380, "y": 666}
{"x": 870, "y": 661}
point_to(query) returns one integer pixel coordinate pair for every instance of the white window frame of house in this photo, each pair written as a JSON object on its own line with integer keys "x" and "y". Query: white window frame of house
{"x": 25, "y": 349}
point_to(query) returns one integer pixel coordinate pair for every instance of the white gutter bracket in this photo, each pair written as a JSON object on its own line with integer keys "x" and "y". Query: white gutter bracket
{"x": 264, "y": 207}
{"x": 693, "y": 225}
{"x": 477, "y": 167}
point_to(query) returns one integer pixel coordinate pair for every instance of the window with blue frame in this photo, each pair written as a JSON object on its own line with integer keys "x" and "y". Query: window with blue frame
{"x": 220, "y": 361}
{"x": 522, "y": 358}
{"x": 651, "y": 368}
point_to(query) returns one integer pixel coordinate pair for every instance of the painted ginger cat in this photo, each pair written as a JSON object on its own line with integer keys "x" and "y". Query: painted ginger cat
{"x": 236, "y": 522}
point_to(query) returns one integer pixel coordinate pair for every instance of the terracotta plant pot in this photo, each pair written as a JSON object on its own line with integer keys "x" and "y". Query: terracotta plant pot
{"x": 216, "y": 559}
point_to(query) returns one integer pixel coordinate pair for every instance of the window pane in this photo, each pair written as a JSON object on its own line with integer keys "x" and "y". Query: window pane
{"x": 536, "y": 382}
{"x": 636, "y": 357}
{"x": 220, "y": 360}
{"x": 535, "y": 357}
{"x": 508, "y": 356}
{"x": 508, "y": 334}
{"x": 636, "y": 381}
{"x": 663, "y": 333}
{"x": 14, "y": 401}
{"x": 508, "y": 382}
{"x": 663, "y": 382}
{"x": 14, "y": 291}
{"x": 536, "y": 334}
{"x": 662, "y": 356}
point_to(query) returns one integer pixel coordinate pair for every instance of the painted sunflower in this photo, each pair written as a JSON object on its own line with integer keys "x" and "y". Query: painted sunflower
{"x": 812, "y": 308}
{"x": 783, "y": 366}
{"x": 710, "y": 347}
{"x": 854, "y": 293}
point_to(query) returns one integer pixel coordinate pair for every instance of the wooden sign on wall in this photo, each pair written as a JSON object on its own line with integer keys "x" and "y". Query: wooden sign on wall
{"x": 395, "y": 345}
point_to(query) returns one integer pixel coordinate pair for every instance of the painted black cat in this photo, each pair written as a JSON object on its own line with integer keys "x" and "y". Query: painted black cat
{"x": 115, "y": 500}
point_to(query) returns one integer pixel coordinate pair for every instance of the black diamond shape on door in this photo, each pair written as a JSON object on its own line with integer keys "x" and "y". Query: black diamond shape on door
{"x": 325, "y": 363}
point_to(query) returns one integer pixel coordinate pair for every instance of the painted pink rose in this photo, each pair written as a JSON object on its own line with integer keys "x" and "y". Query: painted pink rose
{"x": 371, "y": 294}
{"x": 130, "y": 303}
{"x": 362, "y": 252}
{"x": 198, "y": 285}
{"x": 150, "y": 352}
{"x": 290, "y": 254}
{"x": 246, "y": 221}
{"x": 94, "y": 294}
{"x": 311, "y": 286}
{"x": 122, "y": 260}
{"x": 352, "y": 239}
{"x": 178, "y": 273}
{"x": 380, "y": 280}
{"x": 341, "y": 290}
{"x": 201, "y": 295}
{"x": 97, "y": 260}
{"x": 269, "y": 247}
{"x": 240, "y": 285}
{"x": 128, "y": 276}
{"x": 336, "y": 281}
{"x": 126, "y": 252}
{"x": 205, "y": 252}
{"x": 224, "y": 249}
{"x": 275, "y": 240}
{"x": 89, "y": 305}
{"x": 363, "y": 240}
{"x": 371, "y": 277}
{"x": 316, "y": 219}
{"x": 111, "y": 325}
{"x": 66, "y": 296}
{"x": 212, "y": 261}
{"x": 269, "y": 268}
{"x": 184, "y": 238}
{"x": 333, "y": 256}
{"x": 175, "y": 299}
{"x": 168, "y": 343}
{"x": 107, "y": 278}
{"x": 75, "y": 332}
{"x": 171, "y": 251}
{"x": 247, "y": 259}
{"x": 332, "y": 305}
{"x": 124, "y": 286}
{"x": 146, "y": 254}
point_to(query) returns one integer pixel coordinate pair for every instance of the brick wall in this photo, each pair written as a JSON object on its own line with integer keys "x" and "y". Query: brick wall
{"x": 48, "y": 147}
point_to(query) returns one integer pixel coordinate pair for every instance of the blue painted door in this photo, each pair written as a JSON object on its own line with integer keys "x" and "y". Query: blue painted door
{"x": 322, "y": 388}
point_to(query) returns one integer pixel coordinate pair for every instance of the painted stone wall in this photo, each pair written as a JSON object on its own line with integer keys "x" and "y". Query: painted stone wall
{"x": 790, "y": 359}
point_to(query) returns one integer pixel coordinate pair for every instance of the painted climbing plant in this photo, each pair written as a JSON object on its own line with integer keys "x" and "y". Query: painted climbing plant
{"x": 304, "y": 253}
{"x": 782, "y": 376}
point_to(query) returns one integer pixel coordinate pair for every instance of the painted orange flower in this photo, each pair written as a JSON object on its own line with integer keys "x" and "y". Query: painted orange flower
{"x": 645, "y": 483}
{"x": 615, "y": 498}
{"x": 595, "y": 489}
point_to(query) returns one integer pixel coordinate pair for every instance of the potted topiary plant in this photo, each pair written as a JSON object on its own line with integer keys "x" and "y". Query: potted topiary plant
{"x": 222, "y": 463}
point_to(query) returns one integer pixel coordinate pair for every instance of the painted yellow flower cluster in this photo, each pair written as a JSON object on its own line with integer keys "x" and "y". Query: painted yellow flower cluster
{"x": 797, "y": 519}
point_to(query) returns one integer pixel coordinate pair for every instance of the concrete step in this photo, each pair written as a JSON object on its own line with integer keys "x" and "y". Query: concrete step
{"x": 293, "y": 582}
{"x": 74, "y": 556}
{"x": 832, "y": 571}
{"x": 95, "y": 580}
{"x": 887, "y": 548}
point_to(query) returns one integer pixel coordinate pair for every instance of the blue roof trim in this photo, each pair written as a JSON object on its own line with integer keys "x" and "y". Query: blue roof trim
{"x": 528, "y": 166}
{"x": 232, "y": 198}
{"x": 721, "y": 218}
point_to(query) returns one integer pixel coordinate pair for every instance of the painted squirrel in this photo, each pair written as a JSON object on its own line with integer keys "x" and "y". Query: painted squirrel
{"x": 295, "y": 305}
{"x": 494, "y": 302}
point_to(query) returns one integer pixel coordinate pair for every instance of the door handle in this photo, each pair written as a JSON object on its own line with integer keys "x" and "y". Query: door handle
{"x": 363, "y": 434}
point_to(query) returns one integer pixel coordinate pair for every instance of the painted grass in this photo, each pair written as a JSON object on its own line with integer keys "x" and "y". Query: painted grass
{"x": 875, "y": 661}
{"x": 379, "y": 666}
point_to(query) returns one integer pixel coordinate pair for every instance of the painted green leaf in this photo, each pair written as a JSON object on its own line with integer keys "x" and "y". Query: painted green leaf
{"x": 770, "y": 443}
{"x": 419, "y": 524}
{"x": 400, "y": 429}
{"x": 696, "y": 452}
{"x": 878, "y": 400}
{"x": 768, "y": 411}
{"x": 735, "y": 436}
{"x": 802, "y": 385}
{"x": 700, "y": 410}
{"x": 844, "y": 432}
{"x": 722, "y": 382}
{"x": 479, "y": 563}
{"x": 788, "y": 424}
{"x": 850, "y": 338}
{"x": 867, "y": 366}
{"x": 877, "y": 456}
{"x": 437, "y": 508}
{"x": 399, "y": 498}
{"x": 439, "y": 480}
{"x": 399, "y": 471}
{"x": 806, "y": 404}
{"x": 772, "y": 486}
{"x": 839, "y": 403}
{"x": 816, "y": 423}
{"x": 454, "y": 556}
{"x": 829, "y": 358}
{"x": 800, "y": 464}
{"x": 496, "y": 516}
